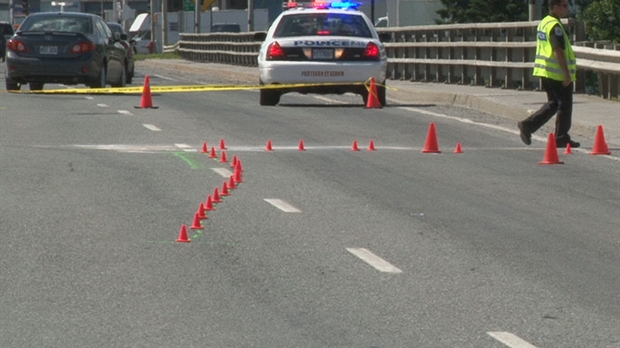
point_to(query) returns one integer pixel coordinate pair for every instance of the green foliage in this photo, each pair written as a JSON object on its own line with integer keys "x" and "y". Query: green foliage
{"x": 602, "y": 18}
{"x": 482, "y": 11}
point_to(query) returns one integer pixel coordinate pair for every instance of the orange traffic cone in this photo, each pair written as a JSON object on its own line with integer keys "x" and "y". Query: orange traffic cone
{"x": 183, "y": 235}
{"x": 569, "y": 149}
{"x": 205, "y": 147}
{"x": 551, "y": 154}
{"x": 231, "y": 183}
{"x": 209, "y": 204}
{"x": 269, "y": 145}
{"x": 201, "y": 211}
{"x": 355, "y": 147}
{"x": 237, "y": 174}
{"x": 213, "y": 154}
{"x": 224, "y": 159}
{"x": 458, "y": 148}
{"x": 373, "y": 100}
{"x": 600, "y": 145}
{"x": 197, "y": 224}
{"x": 222, "y": 145}
{"x": 216, "y": 196}
{"x": 432, "y": 145}
{"x": 147, "y": 98}
{"x": 301, "y": 145}
{"x": 225, "y": 189}
{"x": 371, "y": 146}
{"x": 233, "y": 163}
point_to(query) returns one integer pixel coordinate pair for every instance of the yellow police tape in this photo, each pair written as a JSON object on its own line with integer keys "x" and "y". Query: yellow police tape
{"x": 192, "y": 88}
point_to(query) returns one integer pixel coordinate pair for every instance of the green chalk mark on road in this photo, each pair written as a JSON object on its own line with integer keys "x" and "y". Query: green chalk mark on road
{"x": 185, "y": 157}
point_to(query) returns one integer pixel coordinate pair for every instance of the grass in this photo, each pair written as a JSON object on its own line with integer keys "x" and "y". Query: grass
{"x": 172, "y": 55}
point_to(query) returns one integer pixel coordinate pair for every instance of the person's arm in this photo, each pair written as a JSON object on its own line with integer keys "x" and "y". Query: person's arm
{"x": 561, "y": 57}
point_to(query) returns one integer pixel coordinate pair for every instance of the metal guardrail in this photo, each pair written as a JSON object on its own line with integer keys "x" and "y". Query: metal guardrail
{"x": 489, "y": 54}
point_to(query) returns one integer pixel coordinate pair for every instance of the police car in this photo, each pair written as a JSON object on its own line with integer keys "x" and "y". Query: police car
{"x": 324, "y": 48}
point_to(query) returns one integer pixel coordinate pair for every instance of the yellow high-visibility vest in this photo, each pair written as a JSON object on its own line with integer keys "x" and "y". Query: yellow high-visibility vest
{"x": 546, "y": 64}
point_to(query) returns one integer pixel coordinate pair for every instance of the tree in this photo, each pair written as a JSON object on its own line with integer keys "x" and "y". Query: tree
{"x": 602, "y": 18}
{"x": 483, "y": 11}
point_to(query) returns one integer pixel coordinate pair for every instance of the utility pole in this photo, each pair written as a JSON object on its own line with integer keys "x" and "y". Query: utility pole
{"x": 250, "y": 15}
{"x": 197, "y": 16}
{"x": 164, "y": 22}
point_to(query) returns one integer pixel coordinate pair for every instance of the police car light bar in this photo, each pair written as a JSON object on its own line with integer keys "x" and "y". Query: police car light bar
{"x": 323, "y": 5}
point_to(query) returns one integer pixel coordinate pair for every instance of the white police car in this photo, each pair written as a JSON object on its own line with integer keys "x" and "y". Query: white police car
{"x": 331, "y": 44}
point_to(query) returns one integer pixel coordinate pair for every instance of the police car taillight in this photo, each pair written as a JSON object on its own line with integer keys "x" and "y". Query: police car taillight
{"x": 275, "y": 51}
{"x": 372, "y": 52}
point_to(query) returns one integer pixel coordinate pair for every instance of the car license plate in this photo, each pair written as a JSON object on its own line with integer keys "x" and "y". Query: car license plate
{"x": 322, "y": 53}
{"x": 48, "y": 49}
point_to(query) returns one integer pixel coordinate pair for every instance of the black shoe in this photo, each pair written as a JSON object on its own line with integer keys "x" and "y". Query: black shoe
{"x": 525, "y": 134}
{"x": 573, "y": 144}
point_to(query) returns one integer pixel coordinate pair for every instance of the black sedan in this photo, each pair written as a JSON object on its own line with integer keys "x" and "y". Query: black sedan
{"x": 129, "y": 47}
{"x": 65, "y": 47}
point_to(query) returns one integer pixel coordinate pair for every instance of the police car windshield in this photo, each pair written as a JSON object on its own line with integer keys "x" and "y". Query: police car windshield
{"x": 323, "y": 24}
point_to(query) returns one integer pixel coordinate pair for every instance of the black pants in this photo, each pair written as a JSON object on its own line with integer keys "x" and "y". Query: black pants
{"x": 560, "y": 101}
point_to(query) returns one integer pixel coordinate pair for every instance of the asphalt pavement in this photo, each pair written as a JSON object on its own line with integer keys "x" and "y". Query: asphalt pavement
{"x": 588, "y": 111}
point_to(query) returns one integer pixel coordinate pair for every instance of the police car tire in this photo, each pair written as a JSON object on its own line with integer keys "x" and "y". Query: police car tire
{"x": 269, "y": 97}
{"x": 381, "y": 94}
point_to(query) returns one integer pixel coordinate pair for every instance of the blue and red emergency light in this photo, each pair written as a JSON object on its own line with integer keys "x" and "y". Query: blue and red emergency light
{"x": 325, "y": 5}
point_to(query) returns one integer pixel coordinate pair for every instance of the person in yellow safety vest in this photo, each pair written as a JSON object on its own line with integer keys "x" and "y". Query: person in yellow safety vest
{"x": 556, "y": 65}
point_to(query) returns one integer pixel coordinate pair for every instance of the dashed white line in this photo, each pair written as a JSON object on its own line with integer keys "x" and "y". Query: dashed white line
{"x": 152, "y": 127}
{"x": 125, "y": 112}
{"x": 374, "y": 260}
{"x": 282, "y": 205}
{"x": 223, "y": 172}
{"x": 103, "y": 105}
{"x": 510, "y": 340}
{"x": 185, "y": 147}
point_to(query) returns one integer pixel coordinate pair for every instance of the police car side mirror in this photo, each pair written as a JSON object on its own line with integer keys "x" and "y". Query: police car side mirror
{"x": 260, "y": 36}
{"x": 385, "y": 37}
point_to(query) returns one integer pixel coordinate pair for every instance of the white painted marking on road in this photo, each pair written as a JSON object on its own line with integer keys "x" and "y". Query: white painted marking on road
{"x": 125, "y": 112}
{"x": 282, "y": 205}
{"x": 165, "y": 77}
{"x": 510, "y": 340}
{"x": 89, "y": 97}
{"x": 223, "y": 172}
{"x": 185, "y": 148}
{"x": 374, "y": 260}
{"x": 151, "y": 127}
{"x": 103, "y": 105}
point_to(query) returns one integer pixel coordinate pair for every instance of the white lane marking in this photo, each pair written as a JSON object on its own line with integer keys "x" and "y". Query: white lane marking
{"x": 185, "y": 148}
{"x": 282, "y": 205}
{"x": 374, "y": 260}
{"x": 223, "y": 172}
{"x": 151, "y": 127}
{"x": 510, "y": 340}
{"x": 125, "y": 112}
{"x": 88, "y": 97}
{"x": 103, "y": 105}
{"x": 165, "y": 77}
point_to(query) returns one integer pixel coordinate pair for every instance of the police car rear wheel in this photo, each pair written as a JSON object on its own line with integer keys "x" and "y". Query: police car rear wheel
{"x": 269, "y": 97}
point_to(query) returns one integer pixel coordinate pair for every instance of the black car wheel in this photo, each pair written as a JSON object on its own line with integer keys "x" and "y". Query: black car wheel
{"x": 99, "y": 81}
{"x": 36, "y": 86}
{"x": 269, "y": 97}
{"x": 12, "y": 85}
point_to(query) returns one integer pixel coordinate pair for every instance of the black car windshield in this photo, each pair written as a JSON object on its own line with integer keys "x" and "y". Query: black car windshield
{"x": 57, "y": 24}
{"x": 328, "y": 24}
